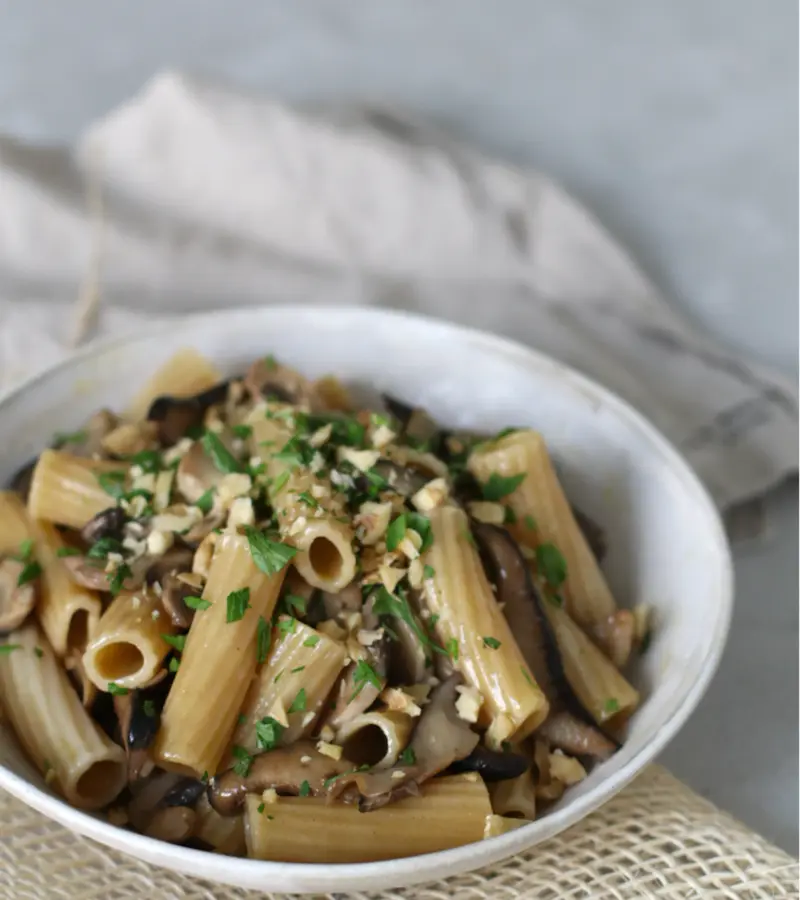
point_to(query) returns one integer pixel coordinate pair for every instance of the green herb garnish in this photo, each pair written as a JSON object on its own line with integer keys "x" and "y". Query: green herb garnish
{"x": 396, "y": 532}
{"x": 386, "y": 604}
{"x": 174, "y": 664}
{"x": 149, "y": 709}
{"x": 117, "y": 690}
{"x": 178, "y": 641}
{"x": 113, "y": 483}
{"x": 305, "y": 789}
{"x": 527, "y": 676}
{"x": 452, "y": 649}
{"x": 428, "y": 572}
{"x": 364, "y": 674}
{"x": 286, "y": 625}
{"x": 280, "y": 482}
{"x": 116, "y": 579}
{"x": 491, "y": 642}
{"x": 407, "y": 757}
{"x": 530, "y": 523}
{"x": 268, "y": 733}
{"x": 263, "y": 638}
{"x": 67, "y": 551}
{"x": 219, "y": 454}
{"x": 306, "y": 498}
{"x": 243, "y": 761}
{"x": 270, "y": 556}
{"x": 299, "y": 702}
{"x": 60, "y": 438}
{"x": 196, "y": 602}
{"x": 311, "y": 641}
{"x": 242, "y": 432}
{"x": 148, "y": 461}
{"x": 100, "y": 549}
{"x": 5, "y": 649}
{"x": 499, "y": 486}
{"x": 237, "y": 603}
{"x": 38, "y": 651}
{"x": 205, "y": 502}
{"x": 611, "y": 706}
{"x": 30, "y": 572}
{"x": 551, "y": 564}
{"x": 422, "y": 525}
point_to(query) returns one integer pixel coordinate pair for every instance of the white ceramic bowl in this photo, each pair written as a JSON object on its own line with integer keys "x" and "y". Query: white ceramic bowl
{"x": 667, "y": 546}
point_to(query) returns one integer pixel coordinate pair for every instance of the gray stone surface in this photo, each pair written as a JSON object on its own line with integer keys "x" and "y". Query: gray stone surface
{"x": 675, "y": 120}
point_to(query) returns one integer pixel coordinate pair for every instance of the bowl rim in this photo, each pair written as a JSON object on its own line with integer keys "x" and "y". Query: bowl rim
{"x": 443, "y": 863}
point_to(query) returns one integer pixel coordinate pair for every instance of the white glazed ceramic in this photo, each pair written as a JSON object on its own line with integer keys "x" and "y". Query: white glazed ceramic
{"x": 667, "y": 546}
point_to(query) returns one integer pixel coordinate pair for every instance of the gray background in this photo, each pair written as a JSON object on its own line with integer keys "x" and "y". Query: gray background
{"x": 675, "y": 120}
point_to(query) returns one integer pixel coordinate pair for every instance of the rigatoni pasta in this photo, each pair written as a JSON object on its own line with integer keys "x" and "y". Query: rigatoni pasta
{"x": 289, "y": 622}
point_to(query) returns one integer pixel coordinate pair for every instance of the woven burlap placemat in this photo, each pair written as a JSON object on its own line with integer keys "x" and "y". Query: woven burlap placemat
{"x": 657, "y": 839}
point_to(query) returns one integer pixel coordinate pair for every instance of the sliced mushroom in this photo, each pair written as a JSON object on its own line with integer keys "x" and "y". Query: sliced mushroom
{"x": 284, "y": 769}
{"x": 417, "y": 425}
{"x": 109, "y": 523}
{"x": 404, "y": 480}
{"x": 88, "y": 442}
{"x": 563, "y": 730}
{"x": 348, "y": 600}
{"x": 175, "y": 590}
{"x": 173, "y": 824}
{"x": 352, "y": 697}
{"x": 197, "y": 473}
{"x": 185, "y": 793}
{"x": 615, "y": 635}
{"x": 594, "y": 534}
{"x": 16, "y": 600}
{"x": 439, "y": 739}
{"x": 177, "y": 415}
{"x": 267, "y": 378}
{"x": 492, "y": 765}
{"x": 148, "y": 797}
{"x": 176, "y": 560}
{"x": 507, "y": 569}
{"x": 88, "y": 573}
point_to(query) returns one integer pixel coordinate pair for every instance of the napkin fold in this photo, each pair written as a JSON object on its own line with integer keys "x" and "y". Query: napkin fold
{"x": 195, "y": 196}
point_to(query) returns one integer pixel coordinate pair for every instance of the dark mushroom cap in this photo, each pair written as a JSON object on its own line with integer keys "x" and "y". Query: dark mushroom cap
{"x": 16, "y": 601}
{"x": 185, "y": 793}
{"x": 173, "y": 600}
{"x": 492, "y": 765}
{"x": 177, "y": 415}
{"x": 594, "y": 534}
{"x": 106, "y": 524}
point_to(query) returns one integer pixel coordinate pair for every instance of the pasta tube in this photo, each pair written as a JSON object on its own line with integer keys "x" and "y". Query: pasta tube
{"x": 602, "y": 690}
{"x": 66, "y": 489}
{"x": 15, "y": 527}
{"x": 218, "y": 662}
{"x": 53, "y": 727}
{"x": 472, "y": 628}
{"x": 451, "y": 811}
{"x": 376, "y": 738}
{"x": 68, "y": 613}
{"x": 324, "y": 542}
{"x": 543, "y": 516}
{"x": 185, "y": 374}
{"x": 301, "y": 659}
{"x": 128, "y": 646}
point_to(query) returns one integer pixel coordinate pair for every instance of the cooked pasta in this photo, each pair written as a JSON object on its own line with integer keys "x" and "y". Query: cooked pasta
{"x": 252, "y": 619}
{"x": 451, "y": 812}
{"x": 64, "y": 743}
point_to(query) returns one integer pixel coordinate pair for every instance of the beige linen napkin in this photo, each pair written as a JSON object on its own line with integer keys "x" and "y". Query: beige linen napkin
{"x": 202, "y": 196}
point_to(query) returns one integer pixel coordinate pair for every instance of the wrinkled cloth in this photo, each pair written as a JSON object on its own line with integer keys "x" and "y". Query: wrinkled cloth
{"x": 194, "y": 196}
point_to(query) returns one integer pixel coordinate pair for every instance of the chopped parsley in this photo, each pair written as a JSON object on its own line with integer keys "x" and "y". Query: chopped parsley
{"x": 25, "y": 550}
{"x": 491, "y": 642}
{"x": 527, "y": 676}
{"x": 386, "y": 604}
{"x": 242, "y": 432}
{"x": 100, "y": 549}
{"x": 452, "y": 649}
{"x": 149, "y": 709}
{"x": 305, "y": 789}
{"x": 261, "y": 807}
{"x": 422, "y": 525}
{"x": 295, "y": 604}
{"x": 5, "y": 649}
{"x": 296, "y": 669}
{"x": 205, "y": 502}
{"x": 311, "y": 641}
{"x": 243, "y": 761}
{"x": 396, "y": 532}
{"x": 555, "y": 599}
{"x": 219, "y": 454}
{"x": 116, "y": 579}
{"x": 263, "y": 638}
{"x": 238, "y": 603}
{"x": 280, "y": 482}
{"x": 306, "y": 498}
{"x": 499, "y": 486}
{"x": 551, "y": 564}
{"x": 38, "y": 651}
{"x": 270, "y": 556}
{"x": 295, "y": 452}
{"x": 148, "y": 461}
{"x": 196, "y": 602}
{"x": 286, "y": 625}
{"x": 60, "y": 438}
{"x": 433, "y": 620}
{"x": 611, "y": 706}
{"x": 530, "y": 523}
{"x": 117, "y": 690}
{"x": 334, "y": 778}
{"x": 407, "y": 757}
{"x": 510, "y": 517}
{"x": 113, "y": 483}
{"x": 204, "y": 777}
{"x": 299, "y": 702}
{"x": 428, "y": 572}
{"x": 268, "y": 733}
{"x": 174, "y": 664}
{"x": 178, "y": 641}
{"x": 364, "y": 674}
{"x": 67, "y": 551}
{"x": 30, "y": 572}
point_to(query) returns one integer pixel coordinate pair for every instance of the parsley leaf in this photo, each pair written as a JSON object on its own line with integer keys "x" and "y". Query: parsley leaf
{"x": 270, "y": 556}
{"x": 499, "y": 486}
{"x": 311, "y": 641}
{"x": 452, "y": 649}
{"x": 174, "y": 664}
{"x": 113, "y": 483}
{"x": 280, "y": 482}
{"x": 295, "y": 604}
{"x": 237, "y": 604}
{"x": 611, "y": 706}
{"x": 149, "y": 709}
{"x": 196, "y": 602}
{"x": 364, "y": 674}
{"x": 205, "y": 502}
{"x": 428, "y": 572}
{"x": 386, "y": 604}
{"x": 551, "y": 564}
{"x": 219, "y": 454}
{"x": 305, "y": 789}
{"x": 178, "y": 641}
{"x": 148, "y": 461}
{"x": 306, "y": 498}
{"x": 286, "y": 625}
{"x": 5, "y": 649}
{"x": 299, "y": 702}
{"x": 30, "y": 572}
{"x": 510, "y": 517}
{"x": 530, "y": 523}
{"x": 396, "y": 532}
{"x": 268, "y": 733}
{"x": 407, "y": 757}
{"x": 491, "y": 642}
{"x": 67, "y": 551}
{"x": 263, "y": 638}
{"x": 25, "y": 550}
{"x": 243, "y": 761}
{"x": 38, "y": 651}
{"x": 100, "y": 549}
{"x": 60, "y": 438}
{"x": 422, "y": 525}
{"x": 114, "y": 688}
{"x": 242, "y": 431}
{"x": 527, "y": 676}
{"x": 116, "y": 579}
